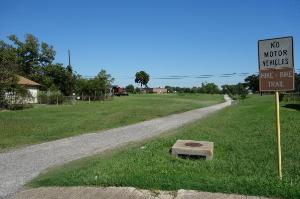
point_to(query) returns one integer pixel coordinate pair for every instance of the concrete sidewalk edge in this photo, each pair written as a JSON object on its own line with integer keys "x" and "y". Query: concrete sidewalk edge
{"x": 120, "y": 193}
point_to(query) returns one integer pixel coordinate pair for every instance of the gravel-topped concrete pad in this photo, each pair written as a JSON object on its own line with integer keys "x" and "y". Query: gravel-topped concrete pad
{"x": 21, "y": 165}
{"x": 120, "y": 193}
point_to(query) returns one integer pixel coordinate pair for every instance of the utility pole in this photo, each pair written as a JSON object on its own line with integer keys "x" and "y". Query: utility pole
{"x": 69, "y": 54}
{"x": 70, "y": 77}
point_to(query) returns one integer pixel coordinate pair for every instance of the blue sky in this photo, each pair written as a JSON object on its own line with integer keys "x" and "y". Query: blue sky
{"x": 163, "y": 37}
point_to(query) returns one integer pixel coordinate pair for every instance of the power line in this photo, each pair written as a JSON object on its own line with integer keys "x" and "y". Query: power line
{"x": 197, "y": 76}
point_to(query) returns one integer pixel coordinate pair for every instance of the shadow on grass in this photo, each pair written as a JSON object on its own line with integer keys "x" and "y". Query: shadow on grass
{"x": 189, "y": 157}
{"x": 292, "y": 106}
{"x": 192, "y": 157}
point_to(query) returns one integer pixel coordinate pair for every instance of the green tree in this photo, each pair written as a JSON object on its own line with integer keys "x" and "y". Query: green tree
{"x": 35, "y": 61}
{"x": 142, "y": 78}
{"x": 47, "y": 54}
{"x": 12, "y": 95}
{"x": 27, "y": 53}
{"x": 8, "y": 70}
{"x": 169, "y": 89}
{"x": 90, "y": 88}
{"x": 241, "y": 90}
{"x": 186, "y": 90}
{"x": 79, "y": 84}
{"x": 209, "y": 88}
{"x": 252, "y": 82}
{"x": 95, "y": 87}
{"x": 235, "y": 91}
{"x": 103, "y": 82}
{"x": 129, "y": 88}
{"x": 137, "y": 90}
{"x": 227, "y": 89}
{"x": 55, "y": 77}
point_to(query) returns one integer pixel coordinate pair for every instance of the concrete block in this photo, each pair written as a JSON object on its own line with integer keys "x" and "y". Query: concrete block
{"x": 194, "y": 148}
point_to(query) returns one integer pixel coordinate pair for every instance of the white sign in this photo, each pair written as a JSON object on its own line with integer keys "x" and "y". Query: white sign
{"x": 276, "y": 53}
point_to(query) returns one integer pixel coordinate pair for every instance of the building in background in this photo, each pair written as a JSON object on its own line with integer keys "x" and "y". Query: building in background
{"x": 119, "y": 91}
{"x": 157, "y": 90}
{"x": 32, "y": 88}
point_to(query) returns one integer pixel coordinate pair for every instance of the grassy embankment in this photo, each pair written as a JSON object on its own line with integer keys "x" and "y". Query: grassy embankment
{"x": 244, "y": 157}
{"x": 44, "y": 123}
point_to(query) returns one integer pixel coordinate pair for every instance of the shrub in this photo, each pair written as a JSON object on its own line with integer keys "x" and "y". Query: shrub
{"x": 50, "y": 97}
{"x": 281, "y": 97}
{"x": 237, "y": 91}
{"x": 19, "y": 106}
{"x": 17, "y": 98}
{"x": 129, "y": 88}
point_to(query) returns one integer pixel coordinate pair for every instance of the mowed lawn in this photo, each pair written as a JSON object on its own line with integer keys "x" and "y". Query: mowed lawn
{"x": 49, "y": 122}
{"x": 245, "y": 157}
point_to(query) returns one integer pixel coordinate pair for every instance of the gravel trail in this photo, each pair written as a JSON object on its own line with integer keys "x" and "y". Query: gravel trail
{"x": 20, "y": 166}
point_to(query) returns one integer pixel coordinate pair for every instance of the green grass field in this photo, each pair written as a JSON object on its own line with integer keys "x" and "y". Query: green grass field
{"x": 244, "y": 157}
{"x": 44, "y": 123}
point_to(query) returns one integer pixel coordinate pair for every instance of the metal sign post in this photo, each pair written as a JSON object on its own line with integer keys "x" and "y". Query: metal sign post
{"x": 278, "y": 134}
{"x": 276, "y": 73}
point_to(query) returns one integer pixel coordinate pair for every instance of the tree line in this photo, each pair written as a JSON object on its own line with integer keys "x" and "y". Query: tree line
{"x": 35, "y": 60}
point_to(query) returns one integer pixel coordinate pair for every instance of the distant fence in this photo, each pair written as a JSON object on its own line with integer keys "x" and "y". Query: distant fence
{"x": 291, "y": 97}
{"x": 59, "y": 99}
{"x": 95, "y": 98}
{"x": 56, "y": 99}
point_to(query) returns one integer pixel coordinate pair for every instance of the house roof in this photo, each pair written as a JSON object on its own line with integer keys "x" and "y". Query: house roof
{"x": 27, "y": 82}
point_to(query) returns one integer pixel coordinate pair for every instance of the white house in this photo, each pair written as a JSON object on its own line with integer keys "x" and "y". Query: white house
{"x": 32, "y": 87}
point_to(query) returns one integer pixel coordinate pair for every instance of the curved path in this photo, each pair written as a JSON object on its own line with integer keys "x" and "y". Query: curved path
{"x": 19, "y": 166}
